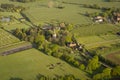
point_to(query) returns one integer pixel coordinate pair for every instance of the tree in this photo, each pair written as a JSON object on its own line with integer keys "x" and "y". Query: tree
{"x": 116, "y": 71}
{"x": 31, "y": 39}
{"x": 68, "y": 37}
{"x": 17, "y": 31}
{"x": 82, "y": 66}
{"x": 93, "y": 64}
{"x": 39, "y": 39}
{"x": 69, "y": 27}
{"x": 23, "y": 36}
{"x": 97, "y": 77}
{"x": 105, "y": 75}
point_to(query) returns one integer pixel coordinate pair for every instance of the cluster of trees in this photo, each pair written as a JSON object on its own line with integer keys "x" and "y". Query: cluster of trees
{"x": 11, "y": 8}
{"x": 55, "y": 46}
{"x": 93, "y": 64}
{"x": 52, "y": 46}
{"x": 101, "y": 73}
{"x": 65, "y": 77}
{"x": 24, "y": 1}
{"x": 108, "y": 74}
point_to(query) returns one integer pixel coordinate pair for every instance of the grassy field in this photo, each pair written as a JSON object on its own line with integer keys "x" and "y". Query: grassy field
{"x": 38, "y": 12}
{"x": 95, "y": 29}
{"x": 114, "y": 57}
{"x": 7, "y": 38}
{"x": 96, "y": 35}
{"x": 14, "y": 23}
{"x": 72, "y": 13}
{"x": 27, "y": 64}
{"x": 14, "y": 46}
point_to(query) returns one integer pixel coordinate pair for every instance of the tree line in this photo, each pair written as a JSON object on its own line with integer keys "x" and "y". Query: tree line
{"x": 11, "y": 8}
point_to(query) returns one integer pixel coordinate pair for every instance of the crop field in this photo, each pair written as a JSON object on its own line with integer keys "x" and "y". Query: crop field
{"x": 114, "y": 57}
{"x": 16, "y": 47}
{"x": 95, "y": 29}
{"x": 71, "y": 13}
{"x": 96, "y": 41}
{"x": 7, "y": 38}
{"x": 28, "y": 64}
{"x": 15, "y": 23}
{"x": 96, "y": 35}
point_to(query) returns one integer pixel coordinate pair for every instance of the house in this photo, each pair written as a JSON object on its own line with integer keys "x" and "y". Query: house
{"x": 54, "y": 35}
{"x": 118, "y": 17}
{"x": 47, "y": 27}
{"x": 71, "y": 44}
{"x": 98, "y": 19}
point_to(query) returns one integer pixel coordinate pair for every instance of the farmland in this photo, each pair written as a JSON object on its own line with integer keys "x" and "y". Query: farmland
{"x": 7, "y": 38}
{"x": 56, "y": 38}
{"x": 114, "y": 57}
{"x": 28, "y": 64}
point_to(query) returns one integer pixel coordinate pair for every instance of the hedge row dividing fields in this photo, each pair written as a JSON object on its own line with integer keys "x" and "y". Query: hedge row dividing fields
{"x": 15, "y": 48}
{"x": 10, "y": 44}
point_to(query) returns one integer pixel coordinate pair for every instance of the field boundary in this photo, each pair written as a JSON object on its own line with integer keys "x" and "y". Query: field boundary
{"x": 16, "y": 49}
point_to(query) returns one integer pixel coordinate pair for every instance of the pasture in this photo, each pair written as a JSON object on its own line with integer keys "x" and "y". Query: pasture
{"x": 28, "y": 64}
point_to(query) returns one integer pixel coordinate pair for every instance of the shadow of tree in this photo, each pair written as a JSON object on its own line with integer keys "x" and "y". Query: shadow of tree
{"x": 15, "y": 78}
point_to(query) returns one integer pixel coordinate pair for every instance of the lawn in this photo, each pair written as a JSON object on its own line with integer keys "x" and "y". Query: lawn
{"x": 27, "y": 64}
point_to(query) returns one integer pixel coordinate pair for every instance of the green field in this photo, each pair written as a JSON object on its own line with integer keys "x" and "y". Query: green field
{"x": 38, "y": 12}
{"x": 14, "y": 23}
{"x": 7, "y": 38}
{"x": 114, "y": 57}
{"x": 27, "y": 64}
{"x": 96, "y": 35}
{"x": 14, "y": 46}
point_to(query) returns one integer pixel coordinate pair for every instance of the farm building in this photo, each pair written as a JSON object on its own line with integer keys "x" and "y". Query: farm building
{"x": 118, "y": 17}
{"x": 71, "y": 44}
{"x": 98, "y": 19}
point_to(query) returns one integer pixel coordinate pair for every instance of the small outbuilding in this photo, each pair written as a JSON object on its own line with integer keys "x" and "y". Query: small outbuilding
{"x": 98, "y": 19}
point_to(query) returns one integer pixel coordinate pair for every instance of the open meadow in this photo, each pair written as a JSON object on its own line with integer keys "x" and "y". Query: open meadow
{"x": 28, "y": 64}
{"x": 114, "y": 57}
